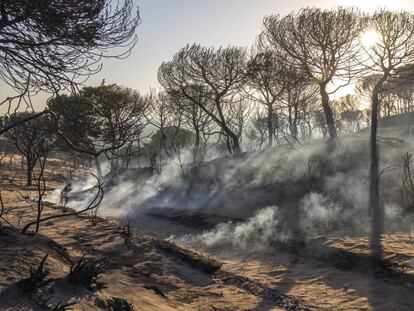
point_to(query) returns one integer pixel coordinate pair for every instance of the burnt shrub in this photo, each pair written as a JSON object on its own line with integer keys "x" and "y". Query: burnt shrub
{"x": 87, "y": 272}
{"x": 37, "y": 279}
{"x": 119, "y": 304}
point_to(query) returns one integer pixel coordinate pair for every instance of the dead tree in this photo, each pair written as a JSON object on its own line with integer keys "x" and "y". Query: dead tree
{"x": 47, "y": 46}
{"x": 163, "y": 116}
{"x": 120, "y": 113}
{"x": 31, "y": 139}
{"x": 93, "y": 204}
{"x": 407, "y": 187}
{"x": 195, "y": 119}
{"x": 239, "y": 115}
{"x": 319, "y": 42}
{"x": 203, "y": 126}
{"x": 259, "y": 130}
{"x": 40, "y": 181}
{"x": 267, "y": 85}
{"x": 219, "y": 73}
{"x": 388, "y": 58}
{"x": 298, "y": 99}
{"x": 99, "y": 120}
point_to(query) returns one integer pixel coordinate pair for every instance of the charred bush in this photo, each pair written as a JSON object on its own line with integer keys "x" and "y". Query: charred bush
{"x": 127, "y": 232}
{"x": 64, "y": 306}
{"x": 58, "y": 307}
{"x": 114, "y": 304}
{"x": 87, "y": 272}
{"x": 119, "y": 304}
{"x": 64, "y": 196}
{"x": 155, "y": 289}
{"x": 37, "y": 280}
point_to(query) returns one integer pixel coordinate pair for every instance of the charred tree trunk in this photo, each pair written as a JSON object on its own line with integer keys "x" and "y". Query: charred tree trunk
{"x": 98, "y": 167}
{"x": 309, "y": 128}
{"x": 270, "y": 124}
{"x": 29, "y": 170}
{"x": 29, "y": 175}
{"x": 228, "y": 144}
{"x": 197, "y": 150}
{"x": 330, "y": 123}
{"x": 39, "y": 213}
{"x": 375, "y": 207}
{"x": 294, "y": 131}
{"x": 235, "y": 144}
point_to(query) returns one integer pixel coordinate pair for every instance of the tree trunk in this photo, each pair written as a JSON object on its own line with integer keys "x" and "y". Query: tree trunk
{"x": 309, "y": 129}
{"x": 293, "y": 129}
{"x": 196, "y": 149}
{"x": 39, "y": 213}
{"x": 98, "y": 167}
{"x": 113, "y": 165}
{"x": 229, "y": 145}
{"x": 236, "y": 145}
{"x": 375, "y": 207}
{"x": 270, "y": 124}
{"x": 29, "y": 171}
{"x": 328, "y": 112}
{"x": 229, "y": 133}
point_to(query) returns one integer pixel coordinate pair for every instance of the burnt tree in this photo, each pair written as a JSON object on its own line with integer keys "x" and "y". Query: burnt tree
{"x": 387, "y": 58}
{"x": 49, "y": 46}
{"x": 32, "y": 139}
{"x": 219, "y": 73}
{"x": 322, "y": 43}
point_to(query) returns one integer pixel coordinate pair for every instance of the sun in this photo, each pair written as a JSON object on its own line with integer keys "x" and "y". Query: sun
{"x": 370, "y": 38}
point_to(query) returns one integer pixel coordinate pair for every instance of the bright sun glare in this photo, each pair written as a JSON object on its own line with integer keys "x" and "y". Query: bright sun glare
{"x": 370, "y": 38}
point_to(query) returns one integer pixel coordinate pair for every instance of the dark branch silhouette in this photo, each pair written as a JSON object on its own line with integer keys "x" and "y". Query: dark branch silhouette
{"x": 44, "y": 44}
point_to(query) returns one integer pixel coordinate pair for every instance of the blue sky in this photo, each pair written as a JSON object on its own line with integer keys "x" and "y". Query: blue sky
{"x": 168, "y": 25}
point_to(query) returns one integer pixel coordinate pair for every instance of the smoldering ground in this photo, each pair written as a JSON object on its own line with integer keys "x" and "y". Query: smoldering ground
{"x": 273, "y": 195}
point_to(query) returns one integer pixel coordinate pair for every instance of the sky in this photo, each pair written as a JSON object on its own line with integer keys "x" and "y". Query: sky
{"x": 168, "y": 25}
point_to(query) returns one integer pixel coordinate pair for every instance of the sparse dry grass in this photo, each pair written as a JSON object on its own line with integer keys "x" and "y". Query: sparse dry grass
{"x": 68, "y": 239}
{"x": 138, "y": 272}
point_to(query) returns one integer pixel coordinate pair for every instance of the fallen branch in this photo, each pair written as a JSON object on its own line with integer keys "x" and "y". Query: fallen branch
{"x": 92, "y": 205}
{"x": 199, "y": 261}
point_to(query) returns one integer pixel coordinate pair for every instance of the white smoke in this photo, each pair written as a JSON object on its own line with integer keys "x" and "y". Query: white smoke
{"x": 318, "y": 215}
{"x": 122, "y": 197}
{"x": 339, "y": 205}
{"x": 254, "y": 235}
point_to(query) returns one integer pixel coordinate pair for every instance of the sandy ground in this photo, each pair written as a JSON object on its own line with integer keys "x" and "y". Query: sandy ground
{"x": 152, "y": 279}
{"x": 321, "y": 285}
{"x": 144, "y": 275}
